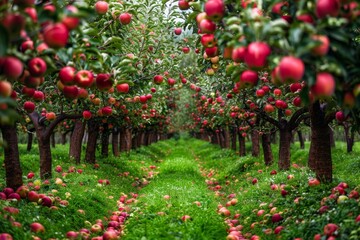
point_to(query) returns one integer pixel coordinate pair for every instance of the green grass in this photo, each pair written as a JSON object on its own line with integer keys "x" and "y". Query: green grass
{"x": 188, "y": 170}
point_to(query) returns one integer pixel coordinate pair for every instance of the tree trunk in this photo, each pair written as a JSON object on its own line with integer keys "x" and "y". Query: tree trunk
{"x": 242, "y": 147}
{"x": 30, "y": 140}
{"x": 128, "y": 139}
{"x": 226, "y": 137}
{"x": 332, "y": 138}
{"x": 320, "y": 147}
{"x": 233, "y": 138}
{"x": 45, "y": 157}
{"x": 255, "y": 143}
{"x": 105, "y": 140}
{"x": 222, "y": 138}
{"x": 13, "y": 172}
{"x": 284, "y": 148}
{"x": 266, "y": 146}
{"x": 93, "y": 131}
{"x": 349, "y": 136}
{"x": 273, "y": 137}
{"x": 115, "y": 142}
{"x": 76, "y": 141}
{"x": 63, "y": 138}
{"x": 301, "y": 139}
{"x": 134, "y": 141}
{"x": 52, "y": 140}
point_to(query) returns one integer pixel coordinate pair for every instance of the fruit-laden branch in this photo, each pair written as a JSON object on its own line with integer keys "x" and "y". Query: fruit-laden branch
{"x": 37, "y": 120}
{"x": 300, "y": 119}
{"x": 293, "y": 122}
{"x": 268, "y": 118}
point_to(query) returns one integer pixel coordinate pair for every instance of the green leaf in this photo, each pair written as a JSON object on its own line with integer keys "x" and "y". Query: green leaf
{"x": 4, "y": 41}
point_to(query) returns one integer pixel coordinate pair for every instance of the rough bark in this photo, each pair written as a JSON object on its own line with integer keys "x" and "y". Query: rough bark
{"x": 30, "y": 139}
{"x": 227, "y": 137}
{"x": 222, "y": 138}
{"x": 123, "y": 139}
{"x": 76, "y": 141}
{"x": 52, "y": 140}
{"x": 134, "y": 141}
{"x": 115, "y": 142}
{"x": 255, "y": 143}
{"x": 242, "y": 147}
{"x": 233, "y": 138}
{"x": 349, "y": 136}
{"x": 93, "y": 132}
{"x": 332, "y": 138}
{"x": 128, "y": 138}
{"x": 284, "y": 148}
{"x": 63, "y": 138}
{"x": 320, "y": 160}
{"x": 105, "y": 140}
{"x": 13, "y": 172}
{"x": 266, "y": 146}
{"x": 301, "y": 139}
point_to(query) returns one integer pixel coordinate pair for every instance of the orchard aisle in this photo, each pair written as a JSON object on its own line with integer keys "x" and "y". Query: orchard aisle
{"x": 177, "y": 203}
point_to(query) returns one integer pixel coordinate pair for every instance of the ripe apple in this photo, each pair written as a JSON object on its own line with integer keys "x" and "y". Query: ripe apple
{"x": 294, "y": 87}
{"x": 110, "y": 235}
{"x": 276, "y": 218}
{"x": 323, "y": 47}
{"x": 12, "y": 67}
{"x": 215, "y": 9}
{"x": 28, "y": 44}
{"x": 104, "y": 81}
{"x": 72, "y": 235}
{"x": 208, "y": 40}
{"x": 254, "y": 181}
{"x": 67, "y": 75}
{"x": 313, "y": 182}
{"x": 278, "y": 229}
{"x": 183, "y": 5}
{"x": 238, "y": 54}
{"x": 30, "y": 175}
{"x": 5, "y": 236}
{"x": 33, "y": 196}
{"x": 46, "y": 201}
{"x": 330, "y": 229}
{"x": 324, "y": 85}
{"x": 269, "y": 108}
{"x": 211, "y": 51}
{"x": 291, "y": 69}
{"x": 96, "y": 228}
{"x": 177, "y": 31}
{"x": 37, "y": 67}
{"x": 256, "y": 54}
{"x": 186, "y": 49}
{"x": 50, "y": 116}
{"x": 83, "y": 93}
{"x": 71, "y": 92}
{"x": 143, "y": 99}
{"x": 5, "y": 89}
{"x": 38, "y": 96}
{"x": 84, "y": 78}
{"x": 56, "y": 35}
{"x": 37, "y": 227}
{"x": 123, "y": 87}
{"x": 260, "y": 93}
{"x": 297, "y": 102}
{"x": 71, "y": 22}
{"x": 158, "y": 79}
{"x": 207, "y": 26}
{"x": 101, "y": 7}
{"x": 248, "y": 78}
{"x": 340, "y": 116}
{"x": 277, "y": 92}
{"x": 326, "y": 8}
{"x": 125, "y": 18}
{"x": 29, "y": 107}
{"x": 171, "y": 81}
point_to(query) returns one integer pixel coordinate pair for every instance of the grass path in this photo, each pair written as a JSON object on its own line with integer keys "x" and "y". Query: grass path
{"x": 156, "y": 217}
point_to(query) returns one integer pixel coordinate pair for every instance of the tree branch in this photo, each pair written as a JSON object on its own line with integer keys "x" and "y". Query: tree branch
{"x": 294, "y": 119}
{"x": 299, "y": 120}
{"x": 268, "y": 118}
{"x": 57, "y": 120}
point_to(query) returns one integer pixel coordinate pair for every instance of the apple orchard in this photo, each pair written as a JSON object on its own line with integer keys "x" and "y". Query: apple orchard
{"x": 107, "y": 77}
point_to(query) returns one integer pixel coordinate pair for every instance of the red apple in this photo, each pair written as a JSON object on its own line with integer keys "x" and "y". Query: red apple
{"x": 260, "y": 93}
{"x": 110, "y": 235}
{"x": 313, "y": 182}
{"x": 294, "y": 87}
{"x": 277, "y": 92}
{"x": 143, "y": 99}
{"x": 29, "y": 107}
{"x": 84, "y": 78}
{"x": 211, "y": 51}
{"x": 12, "y": 67}
{"x": 22, "y": 191}
{"x": 183, "y": 5}
{"x": 38, "y": 96}
{"x": 208, "y": 40}
{"x": 30, "y": 175}
{"x": 46, "y": 201}
{"x": 123, "y": 87}
{"x": 106, "y": 111}
{"x": 104, "y": 81}
{"x": 323, "y": 47}
{"x": 177, "y": 31}
{"x": 207, "y": 26}
{"x": 269, "y": 108}
{"x": 72, "y": 235}
{"x": 56, "y": 35}
{"x": 291, "y": 69}
{"x": 33, "y": 196}
{"x": 276, "y": 218}
{"x": 185, "y": 218}
{"x": 125, "y": 18}
{"x": 340, "y": 116}
{"x": 50, "y": 116}
{"x": 37, "y": 227}
{"x": 256, "y": 54}
{"x": 67, "y": 75}
{"x": 327, "y": 8}
{"x": 214, "y": 9}
{"x": 28, "y": 44}
{"x": 158, "y": 79}
{"x": 248, "y": 78}
{"x": 238, "y": 54}
{"x": 71, "y": 92}
{"x": 5, "y": 236}
{"x": 324, "y": 85}
{"x": 305, "y": 18}
{"x": 5, "y": 89}
{"x": 37, "y": 67}
{"x": 186, "y": 49}
{"x": 330, "y": 229}
{"x": 297, "y": 101}
{"x": 101, "y": 7}
{"x": 71, "y": 22}
{"x": 96, "y": 228}
{"x": 171, "y": 81}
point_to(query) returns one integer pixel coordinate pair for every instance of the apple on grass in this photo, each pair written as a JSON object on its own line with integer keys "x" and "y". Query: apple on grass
{"x": 37, "y": 227}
